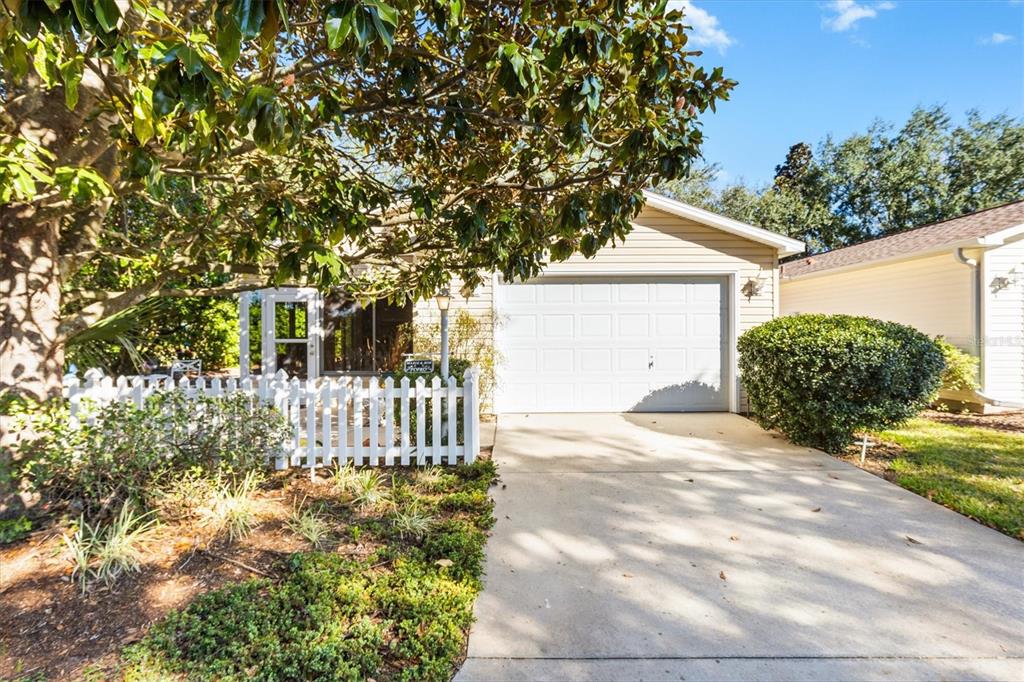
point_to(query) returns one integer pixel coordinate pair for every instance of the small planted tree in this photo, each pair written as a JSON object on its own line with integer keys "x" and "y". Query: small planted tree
{"x": 820, "y": 378}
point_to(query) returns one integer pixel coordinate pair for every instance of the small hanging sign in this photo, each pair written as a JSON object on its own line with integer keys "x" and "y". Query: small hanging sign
{"x": 418, "y": 366}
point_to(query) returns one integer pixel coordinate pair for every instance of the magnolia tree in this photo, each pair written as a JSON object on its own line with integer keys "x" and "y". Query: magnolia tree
{"x": 380, "y": 147}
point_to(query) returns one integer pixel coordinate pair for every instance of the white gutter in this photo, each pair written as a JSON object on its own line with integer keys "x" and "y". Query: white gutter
{"x": 977, "y": 286}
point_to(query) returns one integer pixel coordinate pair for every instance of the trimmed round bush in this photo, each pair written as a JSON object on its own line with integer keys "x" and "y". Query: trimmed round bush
{"x": 819, "y": 378}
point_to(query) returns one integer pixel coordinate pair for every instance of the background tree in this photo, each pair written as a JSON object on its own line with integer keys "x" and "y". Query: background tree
{"x": 876, "y": 183}
{"x": 383, "y": 147}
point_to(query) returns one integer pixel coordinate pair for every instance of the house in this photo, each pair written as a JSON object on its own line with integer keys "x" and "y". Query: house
{"x": 962, "y": 279}
{"x": 649, "y": 324}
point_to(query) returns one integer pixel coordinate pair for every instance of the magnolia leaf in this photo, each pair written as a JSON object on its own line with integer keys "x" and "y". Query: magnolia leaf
{"x": 191, "y": 61}
{"x": 142, "y": 114}
{"x": 387, "y": 13}
{"x": 71, "y": 74}
{"x": 81, "y": 184}
{"x": 338, "y": 25}
{"x": 248, "y": 16}
{"x": 107, "y": 14}
{"x": 229, "y": 42}
{"x": 42, "y": 60}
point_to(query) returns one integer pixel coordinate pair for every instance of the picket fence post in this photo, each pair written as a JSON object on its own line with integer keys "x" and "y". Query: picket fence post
{"x": 404, "y": 446}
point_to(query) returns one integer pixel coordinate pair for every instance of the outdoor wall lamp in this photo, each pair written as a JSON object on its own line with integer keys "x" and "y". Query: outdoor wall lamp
{"x": 444, "y": 299}
{"x": 752, "y": 288}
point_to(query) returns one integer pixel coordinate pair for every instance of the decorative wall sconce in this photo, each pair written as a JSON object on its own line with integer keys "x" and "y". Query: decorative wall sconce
{"x": 752, "y": 287}
{"x": 1012, "y": 278}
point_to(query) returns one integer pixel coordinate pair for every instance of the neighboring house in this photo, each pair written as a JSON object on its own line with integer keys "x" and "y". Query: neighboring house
{"x": 648, "y": 324}
{"x": 961, "y": 278}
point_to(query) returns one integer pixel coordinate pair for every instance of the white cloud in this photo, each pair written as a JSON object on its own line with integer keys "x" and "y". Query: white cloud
{"x": 706, "y": 30}
{"x": 846, "y": 13}
{"x": 997, "y": 39}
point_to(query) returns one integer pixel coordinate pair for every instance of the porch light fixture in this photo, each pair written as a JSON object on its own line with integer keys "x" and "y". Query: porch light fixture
{"x": 752, "y": 288}
{"x": 444, "y": 299}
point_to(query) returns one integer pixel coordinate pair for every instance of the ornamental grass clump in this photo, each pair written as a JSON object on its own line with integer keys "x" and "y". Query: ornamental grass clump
{"x": 820, "y": 378}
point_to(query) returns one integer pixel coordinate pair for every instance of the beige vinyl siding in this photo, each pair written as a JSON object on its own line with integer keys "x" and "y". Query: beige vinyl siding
{"x": 1004, "y": 323}
{"x": 479, "y": 305}
{"x": 659, "y": 243}
{"x": 932, "y": 294}
{"x": 664, "y": 243}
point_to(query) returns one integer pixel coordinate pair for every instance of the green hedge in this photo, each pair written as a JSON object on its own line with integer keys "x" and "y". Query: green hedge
{"x": 820, "y": 378}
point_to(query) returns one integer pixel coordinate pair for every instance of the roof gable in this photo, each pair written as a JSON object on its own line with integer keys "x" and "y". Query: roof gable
{"x": 784, "y": 245}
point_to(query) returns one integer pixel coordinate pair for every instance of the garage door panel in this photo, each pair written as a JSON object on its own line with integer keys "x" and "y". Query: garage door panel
{"x": 556, "y": 293}
{"x": 670, "y": 324}
{"x": 595, "y": 326}
{"x": 595, "y": 360}
{"x": 557, "y": 360}
{"x": 520, "y": 326}
{"x": 706, "y": 293}
{"x": 594, "y": 396}
{"x": 521, "y": 359}
{"x": 553, "y": 395}
{"x": 708, "y": 326}
{"x": 670, "y": 361}
{"x": 607, "y": 345}
{"x": 521, "y": 293}
{"x": 670, "y": 292}
{"x": 632, "y": 359}
{"x": 634, "y": 293}
{"x": 557, "y": 326}
{"x": 633, "y": 325}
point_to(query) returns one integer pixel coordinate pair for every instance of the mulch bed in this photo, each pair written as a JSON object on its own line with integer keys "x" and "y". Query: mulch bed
{"x": 1004, "y": 421}
{"x": 49, "y": 629}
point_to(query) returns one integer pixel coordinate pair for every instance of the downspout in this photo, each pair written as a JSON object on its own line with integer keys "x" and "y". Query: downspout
{"x": 977, "y": 287}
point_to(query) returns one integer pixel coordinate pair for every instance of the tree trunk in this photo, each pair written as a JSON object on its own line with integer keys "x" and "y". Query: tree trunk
{"x": 31, "y": 352}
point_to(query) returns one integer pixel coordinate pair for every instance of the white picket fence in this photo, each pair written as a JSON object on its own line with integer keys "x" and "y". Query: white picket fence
{"x": 333, "y": 420}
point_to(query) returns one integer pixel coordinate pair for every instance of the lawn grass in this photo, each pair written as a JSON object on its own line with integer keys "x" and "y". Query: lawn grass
{"x": 976, "y": 471}
{"x": 400, "y": 612}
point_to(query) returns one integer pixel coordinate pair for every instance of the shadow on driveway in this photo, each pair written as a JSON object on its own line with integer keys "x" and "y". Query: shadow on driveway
{"x": 698, "y": 546}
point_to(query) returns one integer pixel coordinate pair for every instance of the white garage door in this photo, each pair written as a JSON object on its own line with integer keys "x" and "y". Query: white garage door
{"x": 612, "y": 345}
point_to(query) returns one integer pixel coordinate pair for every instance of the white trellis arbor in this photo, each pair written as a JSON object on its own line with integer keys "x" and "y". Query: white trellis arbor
{"x": 306, "y": 300}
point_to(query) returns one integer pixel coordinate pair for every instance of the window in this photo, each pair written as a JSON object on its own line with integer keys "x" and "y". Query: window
{"x": 370, "y": 339}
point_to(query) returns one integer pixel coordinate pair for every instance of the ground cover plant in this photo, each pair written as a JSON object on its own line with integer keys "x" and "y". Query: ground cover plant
{"x": 967, "y": 466}
{"x": 322, "y": 586}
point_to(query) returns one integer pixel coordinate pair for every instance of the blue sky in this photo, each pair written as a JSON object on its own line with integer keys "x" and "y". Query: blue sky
{"x": 807, "y": 69}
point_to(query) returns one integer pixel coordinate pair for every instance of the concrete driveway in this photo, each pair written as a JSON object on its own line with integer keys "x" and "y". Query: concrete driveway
{"x": 697, "y": 546}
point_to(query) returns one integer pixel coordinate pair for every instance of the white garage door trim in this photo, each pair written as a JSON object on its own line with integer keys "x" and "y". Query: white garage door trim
{"x": 731, "y": 278}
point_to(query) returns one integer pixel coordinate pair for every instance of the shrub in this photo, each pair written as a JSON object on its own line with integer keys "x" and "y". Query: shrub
{"x": 469, "y": 337}
{"x": 961, "y": 373}
{"x": 131, "y": 453}
{"x": 819, "y": 378}
{"x": 459, "y": 542}
{"x": 12, "y": 530}
{"x": 314, "y": 624}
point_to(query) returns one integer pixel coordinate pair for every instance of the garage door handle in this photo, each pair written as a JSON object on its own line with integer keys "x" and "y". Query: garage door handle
{"x": 650, "y": 363}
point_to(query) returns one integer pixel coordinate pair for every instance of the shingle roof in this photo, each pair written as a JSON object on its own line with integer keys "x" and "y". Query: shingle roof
{"x": 919, "y": 239}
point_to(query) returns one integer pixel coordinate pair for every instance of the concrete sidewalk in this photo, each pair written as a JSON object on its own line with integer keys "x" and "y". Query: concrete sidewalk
{"x": 697, "y": 546}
